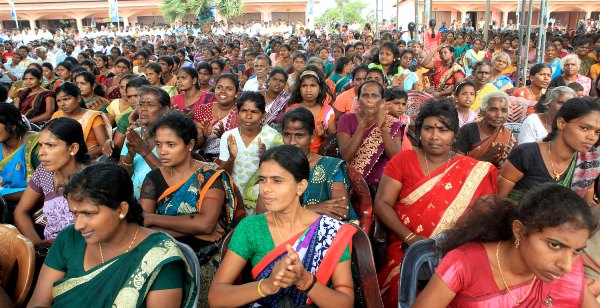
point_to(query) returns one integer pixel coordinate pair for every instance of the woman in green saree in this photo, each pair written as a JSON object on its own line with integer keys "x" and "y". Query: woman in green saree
{"x": 566, "y": 156}
{"x": 106, "y": 258}
{"x": 192, "y": 200}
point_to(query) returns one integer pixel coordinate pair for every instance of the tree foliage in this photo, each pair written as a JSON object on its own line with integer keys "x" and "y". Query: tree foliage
{"x": 354, "y": 11}
{"x": 178, "y": 9}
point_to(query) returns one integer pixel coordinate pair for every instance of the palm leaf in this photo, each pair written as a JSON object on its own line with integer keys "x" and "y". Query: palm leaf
{"x": 178, "y": 9}
{"x": 230, "y": 8}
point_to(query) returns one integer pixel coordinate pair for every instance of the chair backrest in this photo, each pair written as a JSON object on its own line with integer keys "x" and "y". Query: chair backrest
{"x": 16, "y": 249}
{"x": 360, "y": 197}
{"x": 225, "y": 244}
{"x": 192, "y": 260}
{"x": 415, "y": 100}
{"x": 515, "y": 128}
{"x": 3, "y": 210}
{"x": 361, "y": 250}
{"x": 418, "y": 266}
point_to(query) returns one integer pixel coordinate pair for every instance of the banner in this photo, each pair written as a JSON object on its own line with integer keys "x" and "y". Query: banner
{"x": 13, "y": 11}
{"x": 113, "y": 11}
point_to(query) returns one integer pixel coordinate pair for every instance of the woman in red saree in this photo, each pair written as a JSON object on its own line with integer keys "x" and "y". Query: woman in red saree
{"x": 425, "y": 191}
{"x": 447, "y": 73}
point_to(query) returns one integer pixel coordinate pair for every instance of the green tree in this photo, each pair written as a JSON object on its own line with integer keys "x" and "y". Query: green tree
{"x": 354, "y": 10}
{"x": 178, "y": 9}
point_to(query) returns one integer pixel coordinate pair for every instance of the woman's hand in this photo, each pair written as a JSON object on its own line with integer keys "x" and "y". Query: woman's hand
{"x": 382, "y": 115}
{"x": 214, "y": 237}
{"x": 262, "y": 148}
{"x": 232, "y": 146}
{"x": 335, "y": 208}
{"x": 320, "y": 129}
{"x": 135, "y": 143}
{"x": 148, "y": 219}
{"x": 219, "y": 130}
{"x": 415, "y": 239}
{"x": 107, "y": 148}
{"x": 398, "y": 80}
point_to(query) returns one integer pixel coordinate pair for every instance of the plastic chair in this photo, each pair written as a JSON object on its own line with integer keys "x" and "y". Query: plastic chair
{"x": 16, "y": 249}
{"x": 192, "y": 260}
{"x": 361, "y": 250}
{"x": 418, "y": 266}
{"x": 515, "y": 128}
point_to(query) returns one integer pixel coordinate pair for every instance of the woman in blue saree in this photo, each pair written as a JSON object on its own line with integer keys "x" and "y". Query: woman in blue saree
{"x": 304, "y": 262}
{"x": 18, "y": 153}
{"x": 107, "y": 258}
{"x": 192, "y": 200}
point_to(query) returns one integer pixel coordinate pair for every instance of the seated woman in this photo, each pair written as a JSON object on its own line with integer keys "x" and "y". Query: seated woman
{"x": 488, "y": 139}
{"x": 96, "y": 126}
{"x": 153, "y": 72}
{"x": 342, "y": 74}
{"x": 139, "y": 155}
{"x": 33, "y": 101}
{"x": 276, "y": 97}
{"x": 18, "y": 155}
{"x": 120, "y": 106}
{"x": 566, "y": 156}
{"x": 328, "y": 185}
{"x": 50, "y": 76}
{"x": 311, "y": 91}
{"x": 538, "y": 125}
{"x": 500, "y": 62}
{"x": 187, "y": 198}
{"x": 62, "y": 152}
{"x": 122, "y": 66}
{"x": 447, "y": 73}
{"x": 278, "y": 261}
{"x": 107, "y": 258}
{"x": 241, "y": 148}
{"x": 91, "y": 92}
{"x": 507, "y": 255}
{"x": 191, "y": 97}
{"x": 539, "y": 75}
{"x": 570, "y": 66}
{"x": 370, "y": 137}
{"x": 425, "y": 191}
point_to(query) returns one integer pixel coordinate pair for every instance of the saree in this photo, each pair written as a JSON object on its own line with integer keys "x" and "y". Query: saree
{"x": 97, "y": 103}
{"x": 429, "y": 206}
{"x": 273, "y": 114}
{"x": 34, "y": 105}
{"x": 474, "y": 57}
{"x": 447, "y": 77}
{"x": 206, "y": 97}
{"x": 229, "y": 122}
{"x": 17, "y": 168}
{"x": 320, "y": 248}
{"x": 112, "y": 92}
{"x": 370, "y": 159}
{"x": 123, "y": 281}
{"x": 87, "y": 123}
{"x": 502, "y": 135}
{"x": 340, "y": 81}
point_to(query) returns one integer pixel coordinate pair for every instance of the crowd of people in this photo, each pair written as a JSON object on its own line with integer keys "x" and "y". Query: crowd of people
{"x": 115, "y": 148}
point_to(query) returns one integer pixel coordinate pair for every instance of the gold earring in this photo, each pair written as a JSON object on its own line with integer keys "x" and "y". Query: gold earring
{"x": 517, "y": 243}
{"x": 121, "y": 216}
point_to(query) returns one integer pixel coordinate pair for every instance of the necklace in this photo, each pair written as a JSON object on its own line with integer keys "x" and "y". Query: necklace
{"x": 10, "y": 152}
{"x": 504, "y": 281}
{"x": 427, "y": 164}
{"x": 277, "y": 225}
{"x": 128, "y": 248}
{"x": 556, "y": 174}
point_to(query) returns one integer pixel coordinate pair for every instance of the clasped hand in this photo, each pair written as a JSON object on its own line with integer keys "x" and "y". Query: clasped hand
{"x": 287, "y": 272}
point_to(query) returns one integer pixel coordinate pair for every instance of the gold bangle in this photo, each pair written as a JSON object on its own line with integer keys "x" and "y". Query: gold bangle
{"x": 409, "y": 237}
{"x": 122, "y": 162}
{"x": 595, "y": 199}
{"x": 259, "y": 290}
{"x": 500, "y": 176}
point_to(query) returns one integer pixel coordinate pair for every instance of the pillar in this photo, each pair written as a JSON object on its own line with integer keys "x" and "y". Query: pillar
{"x": 125, "y": 21}
{"x": 32, "y": 23}
{"x": 588, "y": 15}
{"x": 505, "y": 18}
{"x": 266, "y": 16}
{"x": 79, "y": 24}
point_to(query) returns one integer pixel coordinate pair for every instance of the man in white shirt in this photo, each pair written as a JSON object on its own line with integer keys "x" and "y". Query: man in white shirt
{"x": 43, "y": 56}
{"x": 262, "y": 67}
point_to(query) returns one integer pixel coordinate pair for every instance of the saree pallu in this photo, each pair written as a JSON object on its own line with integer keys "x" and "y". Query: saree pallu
{"x": 125, "y": 280}
{"x": 502, "y": 135}
{"x": 33, "y": 105}
{"x": 432, "y": 206}
{"x": 206, "y": 97}
{"x": 230, "y": 121}
{"x": 274, "y": 113}
{"x": 447, "y": 77}
{"x": 17, "y": 168}
{"x": 97, "y": 103}
{"x": 87, "y": 121}
{"x": 320, "y": 248}
{"x": 186, "y": 197}
{"x": 370, "y": 158}
{"x": 112, "y": 92}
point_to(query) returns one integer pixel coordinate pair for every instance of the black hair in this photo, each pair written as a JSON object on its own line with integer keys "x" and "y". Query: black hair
{"x": 182, "y": 125}
{"x": 479, "y": 64}
{"x": 572, "y": 109}
{"x": 84, "y": 55}
{"x": 299, "y": 54}
{"x": 108, "y": 185}
{"x": 290, "y": 158}
{"x": 535, "y": 69}
{"x": 124, "y": 61}
{"x": 91, "y": 79}
{"x": 92, "y": 64}
{"x": 546, "y": 206}
{"x": 395, "y": 63}
{"x": 287, "y": 46}
{"x": 156, "y": 68}
{"x": 168, "y": 60}
{"x": 462, "y": 85}
{"x": 275, "y": 71}
{"x": 378, "y": 71}
{"x": 3, "y": 93}
{"x": 368, "y": 82}
{"x": 300, "y": 114}
{"x": 391, "y": 94}
{"x": 34, "y": 72}
{"x": 441, "y": 108}
{"x": 296, "y": 96}
{"x": 48, "y": 65}
{"x": 72, "y": 60}
{"x": 193, "y": 73}
{"x": 164, "y": 100}
{"x": 142, "y": 53}
{"x": 358, "y": 68}
{"x": 71, "y": 89}
{"x": 252, "y": 96}
{"x": 136, "y": 82}
{"x": 340, "y": 63}
{"x": 203, "y": 65}
{"x": 11, "y": 118}
{"x": 575, "y": 86}
{"x": 36, "y": 65}
{"x": 233, "y": 77}
{"x": 71, "y": 132}
{"x": 103, "y": 57}
{"x": 219, "y": 62}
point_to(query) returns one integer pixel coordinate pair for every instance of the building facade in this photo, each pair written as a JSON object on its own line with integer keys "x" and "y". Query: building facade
{"x": 81, "y": 13}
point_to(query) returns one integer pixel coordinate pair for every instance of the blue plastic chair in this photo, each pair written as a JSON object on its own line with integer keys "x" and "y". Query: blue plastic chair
{"x": 418, "y": 266}
{"x": 192, "y": 260}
